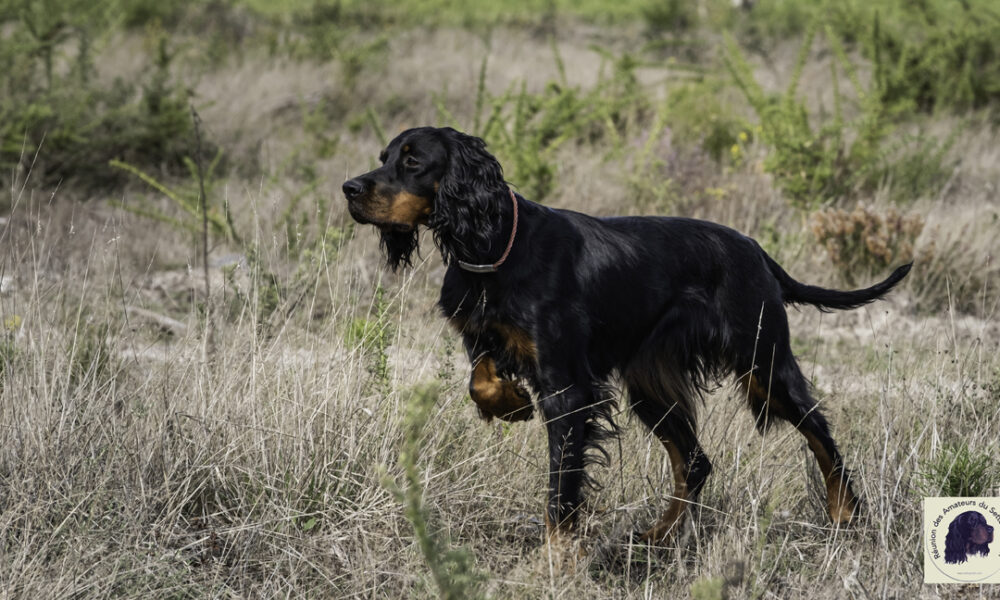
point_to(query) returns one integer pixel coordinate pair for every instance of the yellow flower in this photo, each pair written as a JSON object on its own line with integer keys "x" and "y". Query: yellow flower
{"x": 12, "y": 323}
{"x": 735, "y": 150}
{"x": 743, "y": 136}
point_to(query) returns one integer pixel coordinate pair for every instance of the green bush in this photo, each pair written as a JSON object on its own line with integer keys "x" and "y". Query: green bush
{"x": 936, "y": 54}
{"x": 675, "y": 16}
{"x": 373, "y": 336}
{"x": 771, "y": 21}
{"x": 696, "y": 115}
{"x": 958, "y": 471}
{"x": 818, "y": 158}
{"x": 927, "y": 54}
{"x": 91, "y": 355}
{"x": 525, "y": 129}
{"x": 453, "y": 570}
{"x": 9, "y": 327}
{"x": 61, "y": 123}
{"x": 917, "y": 166}
{"x": 815, "y": 163}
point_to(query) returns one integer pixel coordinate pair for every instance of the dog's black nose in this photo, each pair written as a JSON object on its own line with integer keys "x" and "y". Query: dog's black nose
{"x": 353, "y": 188}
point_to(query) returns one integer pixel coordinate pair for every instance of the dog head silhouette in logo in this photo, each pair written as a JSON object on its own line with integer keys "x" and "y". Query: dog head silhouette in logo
{"x": 967, "y": 534}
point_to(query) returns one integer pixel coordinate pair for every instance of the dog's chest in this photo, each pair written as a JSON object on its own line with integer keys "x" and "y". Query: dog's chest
{"x": 493, "y": 324}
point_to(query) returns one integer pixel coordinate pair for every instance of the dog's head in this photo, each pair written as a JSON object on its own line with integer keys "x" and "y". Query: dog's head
{"x": 969, "y": 533}
{"x": 440, "y": 178}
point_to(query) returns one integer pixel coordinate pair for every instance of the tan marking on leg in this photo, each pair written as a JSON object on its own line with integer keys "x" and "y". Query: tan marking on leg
{"x": 666, "y": 525}
{"x": 497, "y": 397}
{"x": 517, "y": 341}
{"x": 566, "y": 527}
{"x": 840, "y": 500}
{"x": 761, "y": 402}
{"x": 753, "y": 387}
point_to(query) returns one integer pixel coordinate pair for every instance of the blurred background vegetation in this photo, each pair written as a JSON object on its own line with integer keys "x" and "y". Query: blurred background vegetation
{"x": 69, "y": 112}
{"x": 95, "y": 95}
{"x": 838, "y": 131}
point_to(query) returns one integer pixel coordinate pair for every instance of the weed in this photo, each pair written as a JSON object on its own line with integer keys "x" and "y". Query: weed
{"x": 918, "y": 166}
{"x": 814, "y": 164}
{"x": 863, "y": 240}
{"x": 957, "y": 470}
{"x": 267, "y": 291}
{"x": 937, "y": 54}
{"x": 63, "y": 124}
{"x": 90, "y": 355}
{"x": 526, "y": 129}
{"x": 769, "y": 22}
{"x": 696, "y": 115}
{"x": 955, "y": 273}
{"x": 373, "y": 336}
{"x": 453, "y": 569}
{"x": 8, "y": 347}
{"x": 188, "y": 199}
{"x": 675, "y": 16}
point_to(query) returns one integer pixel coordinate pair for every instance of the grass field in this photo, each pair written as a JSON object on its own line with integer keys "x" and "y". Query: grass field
{"x": 174, "y": 427}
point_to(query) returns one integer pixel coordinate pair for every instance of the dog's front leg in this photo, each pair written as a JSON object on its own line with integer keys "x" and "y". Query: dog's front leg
{"x": 565, "y": 415}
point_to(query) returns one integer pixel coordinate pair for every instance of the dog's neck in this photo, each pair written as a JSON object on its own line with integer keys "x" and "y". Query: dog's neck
{"x": 502, "y": 240}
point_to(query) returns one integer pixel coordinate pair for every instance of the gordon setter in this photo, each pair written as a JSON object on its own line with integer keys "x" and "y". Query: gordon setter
{"x": 968, "y": 534}
{"x": 563, "y": 303}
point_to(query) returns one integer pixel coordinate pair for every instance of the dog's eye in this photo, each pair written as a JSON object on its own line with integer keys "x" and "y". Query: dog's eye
{"x": 411, "y": 163}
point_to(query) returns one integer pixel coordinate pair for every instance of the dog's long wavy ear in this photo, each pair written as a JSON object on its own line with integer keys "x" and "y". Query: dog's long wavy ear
{"x": 467, "y": 208}
{"x": 954, "y": 542}
{"x": 398, "y": 246}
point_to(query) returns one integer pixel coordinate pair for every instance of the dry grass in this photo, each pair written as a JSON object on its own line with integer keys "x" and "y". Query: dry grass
{"x": 133, "y": 464}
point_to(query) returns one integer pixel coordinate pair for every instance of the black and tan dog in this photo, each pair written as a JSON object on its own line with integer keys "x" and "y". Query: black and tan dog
{"x": 565, "y": 302}
{"x": 968, "y": 535}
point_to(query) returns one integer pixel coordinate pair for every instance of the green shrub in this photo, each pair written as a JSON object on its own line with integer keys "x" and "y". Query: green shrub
{"x": 91, "y": 356}
{"x": 816, "y": 163}
{"x": 8, "y": 346}
{"x": 61, "y": 124}
{"x": 373, "y": 335}
{"x": 139, "y": 13}
{"x": 936, "y": 54}
{"x": 696, "y": 115}
{"x": 917, "y": 166}
{"x": 187, "y": 197}
{"x": 927, "y": 54}
{"x": 675, "y": 16}
{"x": 958, "y": 471}
{"x": 525, "y": 129}
{"x": 708, "y": 588}
{"x": 453, "y": 569}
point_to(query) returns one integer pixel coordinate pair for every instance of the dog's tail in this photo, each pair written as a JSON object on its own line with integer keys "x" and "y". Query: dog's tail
{"x": 794, "y": 292}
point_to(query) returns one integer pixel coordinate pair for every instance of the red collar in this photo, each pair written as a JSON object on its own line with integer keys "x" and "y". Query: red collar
{"x": 510, "y": 244}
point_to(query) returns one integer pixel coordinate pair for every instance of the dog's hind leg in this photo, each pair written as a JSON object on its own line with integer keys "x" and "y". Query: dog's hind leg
{"x": 786, "y": 396}
{"x": 671, "y": 423}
